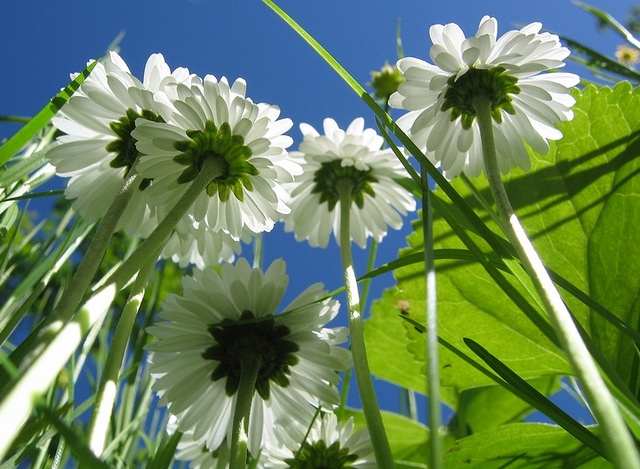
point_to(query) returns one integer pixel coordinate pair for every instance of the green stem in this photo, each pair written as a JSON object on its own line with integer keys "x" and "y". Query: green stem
{"x": 433, "y": 365}
{"x": 370, "y": 407}
{"x": 211, "y": 169}
{"x": 108, "y": 388}
{"x": 44, "y": 333}
{"x": 618, "y": 442}
{"x": 249, "y": 369}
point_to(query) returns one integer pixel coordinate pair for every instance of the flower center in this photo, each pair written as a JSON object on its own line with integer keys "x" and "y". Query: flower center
{"x": 227, "y": 149}
{"x": 318, "y": 456}
{"x": 327, "y": 177}
{"x": 243, "y": 340}
{"x": 125, "y": 145}
{"x": 494, "y": 84}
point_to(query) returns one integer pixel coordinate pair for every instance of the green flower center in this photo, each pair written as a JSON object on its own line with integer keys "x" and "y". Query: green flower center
{"x": 493, "y": 83}
{"x": 230, "y": 153}
{"x": 125, "y": 145}
{"x": 242, "y": 340}
{"x": 326, "y": 183}
{"x": 318, "y": 456}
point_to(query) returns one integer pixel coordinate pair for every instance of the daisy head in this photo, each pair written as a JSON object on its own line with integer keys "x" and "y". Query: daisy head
{"x": 348, "y": 160}
{"x": 214, "y": 122}
{"x": 526, "y": 104}
{"x": 224, "y": 319}
{"x": 328, "y": 444}
{"x": 97, "y": 149}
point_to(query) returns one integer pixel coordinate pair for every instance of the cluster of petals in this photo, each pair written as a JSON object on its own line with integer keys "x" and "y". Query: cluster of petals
{"x": 212, "y": 229}
{"x": 543, "y": 102}
{"x": 213, "y": 100}
{"x": 326, "y": 428}
{"x": 360, "y": 148}
{"x": 81, "y": 154}
{"x": 183, "y": 376}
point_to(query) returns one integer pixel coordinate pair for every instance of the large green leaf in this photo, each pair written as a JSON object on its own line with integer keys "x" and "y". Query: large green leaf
{"x": 578, "y": 203}
{"x": 522, "y": 445}
{"x": 408, "y": 439}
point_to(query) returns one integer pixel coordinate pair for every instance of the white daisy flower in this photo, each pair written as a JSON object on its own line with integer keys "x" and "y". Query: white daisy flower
{"x": 378, "y": 200}
{"x": 526, "y": 104}
{"x": 210, "y": 119}
{"x": 223, "y": 319}
{"x": 97, "y": 149}
{"x": 329, "y": 444}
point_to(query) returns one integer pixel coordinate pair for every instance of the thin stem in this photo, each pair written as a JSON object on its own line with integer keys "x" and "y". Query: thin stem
{"x": 107, "y": 390}
{"x": 249, "y": 369}
{"x": 210, "y": 170}
{"x": 433, "y": 364}
{"x": 618, "y": 442}
{"x": 44, "y": 333}
{"x": 370, "y": 407}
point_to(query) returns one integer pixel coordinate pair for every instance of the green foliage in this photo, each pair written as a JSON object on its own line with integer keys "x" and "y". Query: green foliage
{"x": 578, "y": 204}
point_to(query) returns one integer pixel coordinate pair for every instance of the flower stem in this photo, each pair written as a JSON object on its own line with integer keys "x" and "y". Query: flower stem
{"x": 433, "y": 365}
{"x": 370, "y": 407}
{"x": 620, "y": 445}
{"x": 107, "y": 390}
{"x": 210, "y": 170}
{"x": 249, "y": 369}
{"x": 45, "y": 332}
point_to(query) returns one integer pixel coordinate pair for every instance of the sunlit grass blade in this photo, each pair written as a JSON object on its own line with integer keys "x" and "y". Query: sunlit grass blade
{"x": 22, "y": 168}
{"x": 527, "y": 392}
{"x": 519, "y": 387}
{"x": 20, "y": 139}
{"x": 74, "y": 439}
{"x": 31, "y": 286}
{"x": 163, "y": 457}
{"x": 606, "y": 19}
{"x": 596, "y": 61}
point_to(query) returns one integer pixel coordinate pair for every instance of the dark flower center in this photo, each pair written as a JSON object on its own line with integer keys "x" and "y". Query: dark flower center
{"x": 125, "y": 145}
{"x": 318, "y": 455}
{"x": 327, "y": 177}
{"x": 230, "y": 153}
{"x": 494, "y": 84}
{"x": 242, "y": 340}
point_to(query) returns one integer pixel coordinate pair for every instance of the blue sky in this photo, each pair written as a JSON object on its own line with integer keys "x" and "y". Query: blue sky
{"x": 41, "y": 43}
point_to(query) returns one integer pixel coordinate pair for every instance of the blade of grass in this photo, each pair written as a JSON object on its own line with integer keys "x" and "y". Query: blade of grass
{"x": 610, "y": 21}
{"x": 19, "y": 140}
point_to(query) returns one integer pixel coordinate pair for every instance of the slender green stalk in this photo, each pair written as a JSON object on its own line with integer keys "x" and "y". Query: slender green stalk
{"x": 45, "y": 332}
{"x": 108, "y": 387}
{"x": 370, "y": 407}
{"x": 619, "y": 444}
{"x": 433, "y": 362}
{"x": 249, "y": 369}
{"x": 210, "y": 170}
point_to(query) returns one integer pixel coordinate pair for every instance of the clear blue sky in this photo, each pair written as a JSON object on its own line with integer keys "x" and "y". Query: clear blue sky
{"x": 42, "y": 42}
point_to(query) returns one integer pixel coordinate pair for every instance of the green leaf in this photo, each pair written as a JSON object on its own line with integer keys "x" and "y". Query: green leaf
{"x": 408, "y": 439}
{"x": 577, "y": 204}
{"x": 522, "y": 445}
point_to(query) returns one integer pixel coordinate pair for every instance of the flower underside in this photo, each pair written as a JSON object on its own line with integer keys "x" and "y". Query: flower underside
{"x": 318, "y": 455}
{"x": 227, "y": 150}
{"x": 251, "y": 340}
{"x": 494, "y": 84}
{"x": 327, "y": 177}
{"x": 125, "y": 145}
